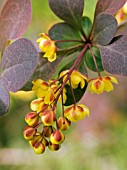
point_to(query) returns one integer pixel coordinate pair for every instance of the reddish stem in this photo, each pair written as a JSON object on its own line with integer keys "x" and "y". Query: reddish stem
{"x": 94, "y": 59}
{"x": 81, "y": 55}
{"x": 58, "y": 41}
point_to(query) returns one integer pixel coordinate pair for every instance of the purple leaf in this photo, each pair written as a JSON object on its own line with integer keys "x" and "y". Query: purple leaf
{"x": 45, "y": 71}
{"x": 105, "y": 28}
{"x": 4, "y": 99}
{"x": 109, "y": 6}
{"x": 14, "y": 20}
{"x": 114, "y": 56}
{"x": 18, "y": 63}
{"x": 69, "y": 10}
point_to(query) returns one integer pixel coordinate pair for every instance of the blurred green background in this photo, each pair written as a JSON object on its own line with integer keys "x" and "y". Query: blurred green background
{"x": 95, "y": 143}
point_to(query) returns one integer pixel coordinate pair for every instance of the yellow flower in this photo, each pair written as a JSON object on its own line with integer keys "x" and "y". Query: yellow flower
{"x": 38, "y": 105}
{"x": 76, "y": 112}
{"x": 125, "y": 8}
{"x": 43, "y": 90}
{"x": 99, "y": 85}
{"x": 121, "y": 15}
{"x": 47, "y": 46}
{"x": 76, "y": 78}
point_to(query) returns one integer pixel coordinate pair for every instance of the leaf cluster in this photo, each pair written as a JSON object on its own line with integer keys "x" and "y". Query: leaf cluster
{"x": 20, "y": 61}
{"x": 108, "y": 41}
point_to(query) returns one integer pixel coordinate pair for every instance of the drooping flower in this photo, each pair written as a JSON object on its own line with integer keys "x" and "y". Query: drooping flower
{"x": 76, "y": 78}
{"x": 76, "y": 112}
{"x": 38, "y": 105}
{"x": 99, "y": 85}
{"x": 47, "y": 46}
{"x": 43, "y": 90}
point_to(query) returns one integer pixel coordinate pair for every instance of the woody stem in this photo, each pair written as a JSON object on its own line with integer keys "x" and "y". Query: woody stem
{"x": 81, "y": 55}
{"x": 72, "y": 91}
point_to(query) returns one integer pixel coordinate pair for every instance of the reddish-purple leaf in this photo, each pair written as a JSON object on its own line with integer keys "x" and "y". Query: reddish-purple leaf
{"x": 4, "y": 99}
{"x": 114, "y": 56}
{"x": 14, "y": 20}
{"x": 109, "y": 6}
{"x": 18, "y": 63}
{"x": 45, "y": 71}
{"x": 69, "y": 10}
{"x": 105, "y": 28}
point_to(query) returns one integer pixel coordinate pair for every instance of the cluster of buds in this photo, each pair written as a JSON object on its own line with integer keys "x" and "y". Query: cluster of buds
{"x": 122, "y": 14}
{"x": 44, "y": 116}
{"x": 45, "y": 126}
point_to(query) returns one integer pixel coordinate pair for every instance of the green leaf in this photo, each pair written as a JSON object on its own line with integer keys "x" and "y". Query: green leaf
{"x": 69, "y": 10}
{"x": 87, "y": 25}
{"x": 89, "y": 8}
{"x": 78, "y": 92}
{"x": 114, "y": 56}
{"x": 63, "y": 31}
{"x": 105, "y": 28}
{"x": 90, "y": 62}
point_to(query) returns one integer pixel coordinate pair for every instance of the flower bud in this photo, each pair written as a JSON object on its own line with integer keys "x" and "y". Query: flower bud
{"x": 32, "y": 119}
{"x": 57, "y": 137}
{"x": 45, "y": 142}
{"x": 47, "y": 131}
{"x": 37, "y": 138}
{"x": 54, "y": 147}
{"x": 39, "y": 148}
{"x": 48, "y": 117}
{"x": 63, "y": 123}
{"x": 29, "y": 133}
{"x": 38, "y": 105}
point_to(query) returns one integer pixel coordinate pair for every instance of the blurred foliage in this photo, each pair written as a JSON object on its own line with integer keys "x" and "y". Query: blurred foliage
{"x": 100, "y": 148}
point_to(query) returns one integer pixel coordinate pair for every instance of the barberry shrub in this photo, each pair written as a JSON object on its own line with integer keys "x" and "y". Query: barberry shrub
{"x": 59, "y": 71}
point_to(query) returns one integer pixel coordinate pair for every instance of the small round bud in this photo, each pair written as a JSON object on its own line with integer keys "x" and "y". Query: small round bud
{"x": 45, "y": 142}
{"x": 39, "y": 148}
{"x": 63, "y": 123}
{"x": 54, "y": 147}
{"x": 57, "y": 137}
{"x": 37, "y": 138}
{"x": 32, "y": 119}
{"x": 47, "y": 131}
{"x": 48, "y": 117}
{"x": 29, "y": 133}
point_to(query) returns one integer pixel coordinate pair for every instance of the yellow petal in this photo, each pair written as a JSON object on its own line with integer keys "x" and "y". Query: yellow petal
{"x": 108, "y": 86}
{"x": 114, "y": 80}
